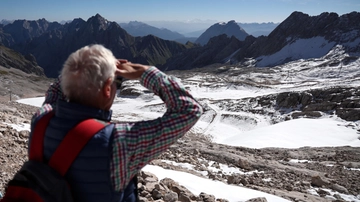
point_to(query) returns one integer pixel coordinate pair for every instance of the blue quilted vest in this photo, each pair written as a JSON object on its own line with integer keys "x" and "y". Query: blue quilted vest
{"x": 89, "y": 175}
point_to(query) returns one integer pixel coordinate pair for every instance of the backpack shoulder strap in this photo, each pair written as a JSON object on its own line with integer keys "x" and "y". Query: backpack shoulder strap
{"x": 73, "y": 143}
{"x": 36, "y": 150}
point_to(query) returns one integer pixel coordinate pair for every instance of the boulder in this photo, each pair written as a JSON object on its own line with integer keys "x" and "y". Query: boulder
{"x": 319, "y": 182}
{"x": 339, "y": 188}
{"x": 259, "y": 199}
{"x": 171, "y": 197}
{"x": 207, "y": 197}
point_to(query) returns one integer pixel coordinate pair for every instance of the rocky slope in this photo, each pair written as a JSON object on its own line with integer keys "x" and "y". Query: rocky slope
{"x": 16, "y": 84}
{"x": 331, "y": 173}
{"x": 290, "y": 180}
{"x": 12, "y": 59}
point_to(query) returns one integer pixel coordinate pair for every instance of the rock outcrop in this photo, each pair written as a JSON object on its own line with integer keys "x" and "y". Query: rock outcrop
{"x": 345, "y": 102}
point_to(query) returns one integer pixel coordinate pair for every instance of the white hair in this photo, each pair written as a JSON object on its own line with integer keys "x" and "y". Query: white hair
{"x": 85, "y": 72}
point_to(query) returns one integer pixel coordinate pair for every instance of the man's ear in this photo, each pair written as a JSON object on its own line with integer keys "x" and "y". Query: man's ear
{"x": 107, "y": 88}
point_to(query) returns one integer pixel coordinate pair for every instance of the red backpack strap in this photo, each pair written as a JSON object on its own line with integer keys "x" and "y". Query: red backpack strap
{"x": 73, "y": 143}
{"x": 37, "y": 141}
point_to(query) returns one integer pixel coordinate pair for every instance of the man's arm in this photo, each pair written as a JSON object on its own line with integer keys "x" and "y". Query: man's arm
{"x": 136, "y": 144}
{"x": 51, "y": 96}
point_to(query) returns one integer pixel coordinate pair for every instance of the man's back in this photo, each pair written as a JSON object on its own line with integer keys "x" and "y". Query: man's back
{"x": 108, "y": 164}
{"x": 89, "y": 175}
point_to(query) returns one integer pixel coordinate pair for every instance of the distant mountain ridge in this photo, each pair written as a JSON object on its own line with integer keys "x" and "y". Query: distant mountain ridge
{"x": 230, "y": 28}
{"x": 51, "y": 43}
{"x": 136, "y": 28}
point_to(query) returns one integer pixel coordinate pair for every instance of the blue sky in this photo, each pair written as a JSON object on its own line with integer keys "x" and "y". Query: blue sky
{"x": 244, "y": 11}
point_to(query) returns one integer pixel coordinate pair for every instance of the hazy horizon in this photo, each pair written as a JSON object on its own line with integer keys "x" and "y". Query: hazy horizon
{"x": 200, "y": 11}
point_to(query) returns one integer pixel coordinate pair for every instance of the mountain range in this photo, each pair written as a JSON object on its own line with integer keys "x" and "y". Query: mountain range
{"x": 299, "y": 36}
{"x": 51, "y": 43}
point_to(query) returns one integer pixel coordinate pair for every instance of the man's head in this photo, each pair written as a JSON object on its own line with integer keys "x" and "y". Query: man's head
{"x": 87, "y": 77}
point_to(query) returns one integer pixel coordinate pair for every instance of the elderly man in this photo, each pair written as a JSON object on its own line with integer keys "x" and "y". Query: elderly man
{"x": 105, "y": 169}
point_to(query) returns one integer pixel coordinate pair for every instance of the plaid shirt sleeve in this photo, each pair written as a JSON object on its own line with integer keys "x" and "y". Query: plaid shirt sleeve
{"x": 51, "y": 96}
{"x": 54, "y": 93}
{"x": 136, "y": 144}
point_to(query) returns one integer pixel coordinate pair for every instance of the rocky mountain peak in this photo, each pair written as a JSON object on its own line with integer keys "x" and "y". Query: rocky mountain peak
{"x": 230, "y": 28}
{"x": 98, "y": 22}
{"x": 297, "y": 15}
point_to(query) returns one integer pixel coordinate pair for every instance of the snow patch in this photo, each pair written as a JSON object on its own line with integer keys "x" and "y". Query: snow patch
{"x": 300, "y": 49}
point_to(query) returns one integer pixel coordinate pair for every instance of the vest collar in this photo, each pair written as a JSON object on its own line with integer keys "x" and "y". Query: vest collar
{"x": 70, "y": 110}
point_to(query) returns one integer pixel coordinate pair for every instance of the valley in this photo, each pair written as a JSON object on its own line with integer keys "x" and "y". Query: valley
{"x": 281, "y": 111}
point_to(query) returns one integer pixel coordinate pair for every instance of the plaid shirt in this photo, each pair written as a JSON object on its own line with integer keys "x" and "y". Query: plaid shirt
{"x": 135, "y": 144}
